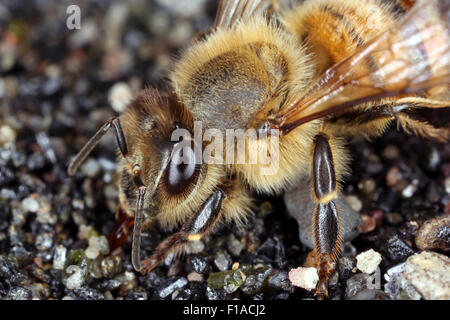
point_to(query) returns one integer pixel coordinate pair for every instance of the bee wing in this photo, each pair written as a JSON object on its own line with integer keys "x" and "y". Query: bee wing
{"x": 412, "y": 58}
{"x": 231, "y": 11}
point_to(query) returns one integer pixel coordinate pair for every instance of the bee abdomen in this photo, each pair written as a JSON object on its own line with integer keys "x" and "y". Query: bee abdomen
{"x": 334, "y": 29}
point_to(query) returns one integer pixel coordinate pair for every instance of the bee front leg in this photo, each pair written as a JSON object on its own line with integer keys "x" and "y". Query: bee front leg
{"x": 326, "y": 222}
{"x": 195, "y": 228}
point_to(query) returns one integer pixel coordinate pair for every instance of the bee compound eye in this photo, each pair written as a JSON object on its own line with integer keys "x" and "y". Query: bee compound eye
{"x": 182, "y": 169}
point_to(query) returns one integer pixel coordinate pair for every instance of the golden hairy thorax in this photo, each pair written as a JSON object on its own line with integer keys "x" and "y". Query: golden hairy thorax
{"x": 229, "y": 89}
{"x": 235, "y": 73}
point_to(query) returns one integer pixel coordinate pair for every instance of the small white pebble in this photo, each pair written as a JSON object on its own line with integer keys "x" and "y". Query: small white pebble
{"x": 111, "y": 192}
{"x": 44, "y": 241}
{"x": 99, "y": 244}
{"x": 119, "y": 96}
{"x": 305, "y": 278}
{"x": 184, "y": 8}
{"x": 107, "y": 165}
{"x": 30, "y": 205}
{"x": 127, "y": 279}
{"x": 7, "y": 194}
{"x": 103, "y": 245}
{"x": 44, "y": 214}
{"x": 91, "y": 168}
{"x": 354, "y": 202}
{"x": 92, "y": 252}
{"x": 159, "y": 22}
{"x": 409, "y": 191}
{"x": 181, "y": 33}
{"x": 195, "y": 246}
{"x": 447, "y": 184}
{"x": 7, "y": 135}
{"x": 59, "y": 257}
{"x": 368, "y": 261}
{"x": 83, "y": 231}
{"x": 76, "y": 278}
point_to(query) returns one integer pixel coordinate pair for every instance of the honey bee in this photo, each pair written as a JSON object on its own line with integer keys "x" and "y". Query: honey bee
{"x": 307, "y": 78}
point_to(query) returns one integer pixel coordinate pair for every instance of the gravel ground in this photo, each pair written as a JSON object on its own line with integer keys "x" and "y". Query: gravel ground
{"x": 58, "y": 86}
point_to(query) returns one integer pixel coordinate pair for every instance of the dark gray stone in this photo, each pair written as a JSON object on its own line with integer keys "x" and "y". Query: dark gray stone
{"x": 397, "y": 249}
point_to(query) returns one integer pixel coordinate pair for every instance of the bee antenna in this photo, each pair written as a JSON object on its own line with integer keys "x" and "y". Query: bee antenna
{"x": 86, "y": 150}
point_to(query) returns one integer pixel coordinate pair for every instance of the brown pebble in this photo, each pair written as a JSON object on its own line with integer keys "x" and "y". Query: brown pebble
{"x": 434, "y": 234}
{"x": 369, "y": 223}
{"x": 367, "y": 185}
{"x": 391, "y": 152}
{"x": 195, "y": 277}
{"x": 446, "y": 170}
{"x": 378, "y": 215}
{"x": 393, "y": 218}
{"x": 393, "y": 176}
{"x": 38, "y": 262}
{"x": 447, "y": 209}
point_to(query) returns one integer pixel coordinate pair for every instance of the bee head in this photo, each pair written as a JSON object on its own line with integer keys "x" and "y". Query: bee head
{"x": 160, "y": 136}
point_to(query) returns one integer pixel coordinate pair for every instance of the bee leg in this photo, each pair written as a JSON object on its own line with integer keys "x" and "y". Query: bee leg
{"x": 427, "y": 118}
{"x": 326, "y": 228}
{"x": 119, "y": 233}
{"x": 195, "y": 228}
